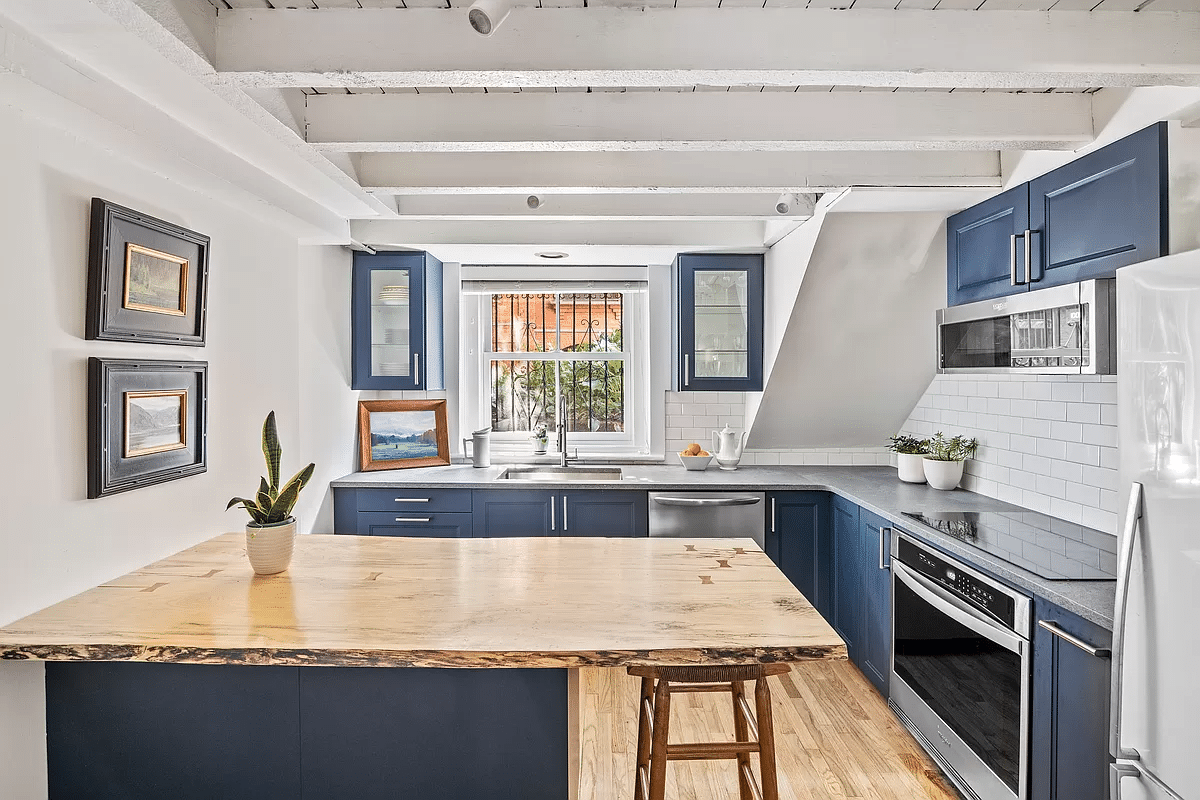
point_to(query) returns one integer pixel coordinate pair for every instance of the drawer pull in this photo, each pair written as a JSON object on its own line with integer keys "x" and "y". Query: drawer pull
{"x": 1099, "y": 652}
{"x": 412, "y": 499}
{"x": 414, "y": 519}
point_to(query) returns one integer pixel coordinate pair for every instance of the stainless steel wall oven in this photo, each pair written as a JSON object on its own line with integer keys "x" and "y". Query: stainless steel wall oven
{"x": 960, "y": 669}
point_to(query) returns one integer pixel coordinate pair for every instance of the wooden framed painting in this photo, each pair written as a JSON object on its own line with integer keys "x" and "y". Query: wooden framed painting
{"x": 147, "y": 278}
{"x": 399, "y": 434}
{"x": 147, "y": 422}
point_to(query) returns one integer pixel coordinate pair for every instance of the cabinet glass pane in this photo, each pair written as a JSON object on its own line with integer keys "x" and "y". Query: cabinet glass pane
{"x": 722, "y": 324}
{"x": 391, "y": 353}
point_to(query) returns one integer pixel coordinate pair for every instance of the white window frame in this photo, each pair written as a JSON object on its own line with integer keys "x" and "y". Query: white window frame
{"x": 477, "y": 357}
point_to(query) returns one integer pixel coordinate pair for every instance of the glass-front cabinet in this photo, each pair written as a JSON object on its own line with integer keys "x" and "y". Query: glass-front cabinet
{"x": 397, "y": 321}
{"x": 720, "y": 322}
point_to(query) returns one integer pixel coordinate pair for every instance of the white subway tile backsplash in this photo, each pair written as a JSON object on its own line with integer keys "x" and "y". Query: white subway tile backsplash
{"x": 1084, "y": 412}
{"x": 1103, "y": 435}
{"x": 1051, "y": 410}
{"x": 1070, "y": 392}
{"x": 1108, "y": 458}
{"x": 1108, "y": 414}
{"x": 1038, "y": 391}
{"x": 1084, "y": 495}
{"x": 1052, "y": 448}
{"x": 1067, "y": 470}
{"x": 1083, "y": 453}
{"x": 1066, "y": 432}
{"x": 1038, "y": 428}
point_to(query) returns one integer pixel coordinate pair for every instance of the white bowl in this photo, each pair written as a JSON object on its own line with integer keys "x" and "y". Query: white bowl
{"x": 694, "y": 462}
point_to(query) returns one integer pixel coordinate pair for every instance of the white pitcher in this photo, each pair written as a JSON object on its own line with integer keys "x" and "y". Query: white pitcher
{"x": 727, "y": 446}
{"x": 481, "y": 448}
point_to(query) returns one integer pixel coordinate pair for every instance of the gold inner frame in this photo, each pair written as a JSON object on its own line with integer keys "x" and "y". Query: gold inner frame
{"x": 182, "y": 443}
{"x": 130, "y": 249}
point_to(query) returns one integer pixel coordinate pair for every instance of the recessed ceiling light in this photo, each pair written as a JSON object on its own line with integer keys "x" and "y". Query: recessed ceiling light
{"x": 550, "y": 254}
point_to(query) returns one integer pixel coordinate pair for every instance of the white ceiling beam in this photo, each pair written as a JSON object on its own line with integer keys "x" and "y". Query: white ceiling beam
{"x": 697, "y": 121}
{"x": 631, "y": 47}
{"x": 602, "y": 208}
{"x": 684, "y": 173}
{"x": 559, "y": 235}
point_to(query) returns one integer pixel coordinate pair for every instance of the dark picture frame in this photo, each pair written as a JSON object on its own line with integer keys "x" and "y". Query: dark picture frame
{"x": 394, "y": 434}
{"x": 147, "y": 278}
{"x": 147, "y": 423}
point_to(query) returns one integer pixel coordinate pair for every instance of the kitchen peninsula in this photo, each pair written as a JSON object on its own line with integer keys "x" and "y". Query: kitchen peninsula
{"x": 383, "y": 666}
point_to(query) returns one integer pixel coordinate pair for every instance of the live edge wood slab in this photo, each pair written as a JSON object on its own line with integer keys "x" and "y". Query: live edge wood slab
{"x": 459, "y": 603}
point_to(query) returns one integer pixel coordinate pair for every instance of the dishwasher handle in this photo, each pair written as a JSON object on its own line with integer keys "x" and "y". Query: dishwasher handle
{"x": 667, "y": 500}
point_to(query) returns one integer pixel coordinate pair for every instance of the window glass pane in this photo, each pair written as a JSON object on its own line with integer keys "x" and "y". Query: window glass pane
{"x": 591, "y": 322}
{"x": 524, "y": 323}
{"x": 523, "y": 394}
{"x": 595, "y": 392}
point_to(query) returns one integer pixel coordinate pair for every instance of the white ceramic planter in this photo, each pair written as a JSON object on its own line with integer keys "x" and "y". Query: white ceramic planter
{"x": 269, "y": 548}
{"x": 910, "y": 467}
{"x": 944, "y": 475}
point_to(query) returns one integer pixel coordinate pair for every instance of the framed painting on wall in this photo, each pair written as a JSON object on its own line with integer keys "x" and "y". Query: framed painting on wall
{"x": 399, "y": 434}
{"x": 147, "y": 278}
{"x": 147, "y": 422}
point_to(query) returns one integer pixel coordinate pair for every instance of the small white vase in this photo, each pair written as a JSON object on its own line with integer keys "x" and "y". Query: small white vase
{"x": 910, "y": 467}
{"x": 944, "y": 475}
{"x": 269, "y": 547}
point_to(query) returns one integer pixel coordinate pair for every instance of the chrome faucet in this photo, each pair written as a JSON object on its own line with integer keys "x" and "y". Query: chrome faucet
{"x": 563, "y": 458}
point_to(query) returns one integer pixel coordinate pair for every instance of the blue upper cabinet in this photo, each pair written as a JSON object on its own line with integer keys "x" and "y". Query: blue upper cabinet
{"x": 984, "y": 248}
{"x": 396, "y": 318}
{"x": 719, "y": 300}
{"x": 1103, "y": 211}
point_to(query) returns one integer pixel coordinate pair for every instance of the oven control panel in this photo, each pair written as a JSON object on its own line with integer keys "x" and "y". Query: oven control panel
{"x": 979, "y": 593}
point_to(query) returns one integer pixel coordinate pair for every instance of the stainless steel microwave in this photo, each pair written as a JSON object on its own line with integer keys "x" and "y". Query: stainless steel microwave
{"x": 1063, "y": 330}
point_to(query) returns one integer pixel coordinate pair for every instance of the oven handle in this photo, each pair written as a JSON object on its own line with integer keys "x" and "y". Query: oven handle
{"x": 960, "y": 613}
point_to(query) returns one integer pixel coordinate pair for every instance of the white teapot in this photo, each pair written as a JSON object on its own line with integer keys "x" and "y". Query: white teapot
{"x": 728, "y": 445}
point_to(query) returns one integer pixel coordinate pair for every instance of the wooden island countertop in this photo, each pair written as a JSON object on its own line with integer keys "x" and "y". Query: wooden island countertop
{"x": 395, "y": 602}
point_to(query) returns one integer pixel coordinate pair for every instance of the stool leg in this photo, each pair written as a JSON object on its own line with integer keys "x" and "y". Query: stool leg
{"x": 643, "y": 744}
{"x": 741, "y": 733}
{"x": 766, "y": 739}
{"x": 658, "y": 747}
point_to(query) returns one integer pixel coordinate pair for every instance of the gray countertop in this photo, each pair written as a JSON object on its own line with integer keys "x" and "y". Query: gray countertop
{"x": 873, "y": 488}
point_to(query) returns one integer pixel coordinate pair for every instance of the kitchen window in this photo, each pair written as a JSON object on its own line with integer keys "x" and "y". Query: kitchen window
{"x": 581, "y": 341}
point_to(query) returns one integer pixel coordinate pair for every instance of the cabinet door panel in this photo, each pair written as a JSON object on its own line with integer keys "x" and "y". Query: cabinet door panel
{"x": 1069, "y": 736}
{"x": 795, "y": 542}
{"x": 720, "y": 322}
{"x": 1105, "y": 210}
{"x": 433, "y": 524}
{"x": 396, "y": 327}
{"x": 514, "y": 512}
{"x": 876, "y": 650}
{"x": 979, "y": 243}
{"x": 601, "y": 513}
{"x": 848, "y": 605}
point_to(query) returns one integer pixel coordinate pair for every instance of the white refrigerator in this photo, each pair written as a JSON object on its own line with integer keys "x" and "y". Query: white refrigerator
{"x": 1155, "y": 742}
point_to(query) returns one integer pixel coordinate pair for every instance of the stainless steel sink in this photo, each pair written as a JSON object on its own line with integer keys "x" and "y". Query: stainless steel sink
{"x": 561, "y": 474}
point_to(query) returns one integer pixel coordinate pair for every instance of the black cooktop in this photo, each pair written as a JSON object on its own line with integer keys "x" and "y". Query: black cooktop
{"x": 1049, "y": 548}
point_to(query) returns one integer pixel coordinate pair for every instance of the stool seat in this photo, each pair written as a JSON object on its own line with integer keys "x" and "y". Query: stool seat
{"x": 753, "y": 729}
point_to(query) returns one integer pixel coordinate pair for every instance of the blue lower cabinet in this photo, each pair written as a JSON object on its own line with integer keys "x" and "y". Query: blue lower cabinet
{"x": 798, "y": 540}
{"x": 600, "y": 513}
{"x": 875, "y": 652}
{"x": 1070, "y": 702}
{"x": 415, "y": 523}
{"x": 402, "y": 511}
{"x": 516, "y": 512}
{"x": 848, "y": 603}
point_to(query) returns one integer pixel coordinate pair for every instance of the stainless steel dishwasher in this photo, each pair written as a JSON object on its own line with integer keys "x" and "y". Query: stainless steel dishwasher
{"x": 708, "y": 514}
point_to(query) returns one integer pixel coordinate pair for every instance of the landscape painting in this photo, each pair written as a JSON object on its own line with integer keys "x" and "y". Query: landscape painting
{"x": 403, "y": 433}
{"x": 155, "y": 422}
{"x": 155, "y": 281}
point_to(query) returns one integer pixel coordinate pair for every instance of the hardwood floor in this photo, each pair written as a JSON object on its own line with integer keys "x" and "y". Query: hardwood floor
{"x": 835, "y": 738}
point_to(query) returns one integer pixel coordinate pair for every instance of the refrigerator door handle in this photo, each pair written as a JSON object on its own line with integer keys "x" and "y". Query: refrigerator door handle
{"x": 1133, "y": 515}
{"x": 1120, "y": 770}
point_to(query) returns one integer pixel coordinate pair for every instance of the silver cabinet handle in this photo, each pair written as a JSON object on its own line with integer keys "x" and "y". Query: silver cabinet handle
{"x": 1012, "y": 258}
{"x": 704, "y": 501}
{"x": 564, "y": 512}
{"x": 414, "y": 519}
{"x": 882, "y": 550}
{"x": 412, "y": 499}
{"x": 1028, "y": 256}
{"x": 1133, "y": 515}
{"x": 416, "y": 369}
{"x": 772, "y": 515}
{"x": 553, "y": 525}
{"x": 1099, "y": 652}
{"x": 686, "y": 369}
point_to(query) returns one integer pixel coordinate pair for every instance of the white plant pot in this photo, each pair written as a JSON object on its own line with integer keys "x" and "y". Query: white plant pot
{"x": 269, "y": 547}
{"x": 910, "y": 467}
{"x": 944, "y": 475}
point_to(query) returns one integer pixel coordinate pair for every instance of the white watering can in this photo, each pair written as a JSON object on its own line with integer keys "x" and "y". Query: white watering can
{"x": 728, "y": 445}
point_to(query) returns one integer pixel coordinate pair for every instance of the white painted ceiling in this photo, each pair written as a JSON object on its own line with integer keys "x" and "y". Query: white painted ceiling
{"x": 675, "y": 123}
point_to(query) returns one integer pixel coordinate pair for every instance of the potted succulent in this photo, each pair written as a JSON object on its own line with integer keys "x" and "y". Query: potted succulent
{"x": 910, "y": 454}
{"x": 944, "y": 460}
{"x": 540, "y": 438}
{"x": 271, "y": 532}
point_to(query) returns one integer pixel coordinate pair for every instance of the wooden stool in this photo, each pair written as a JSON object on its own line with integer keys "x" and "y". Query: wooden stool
{"x": 753, "y": 731}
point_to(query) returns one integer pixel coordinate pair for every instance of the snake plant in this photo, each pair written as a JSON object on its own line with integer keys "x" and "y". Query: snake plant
{"x": 273, "y": 504}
